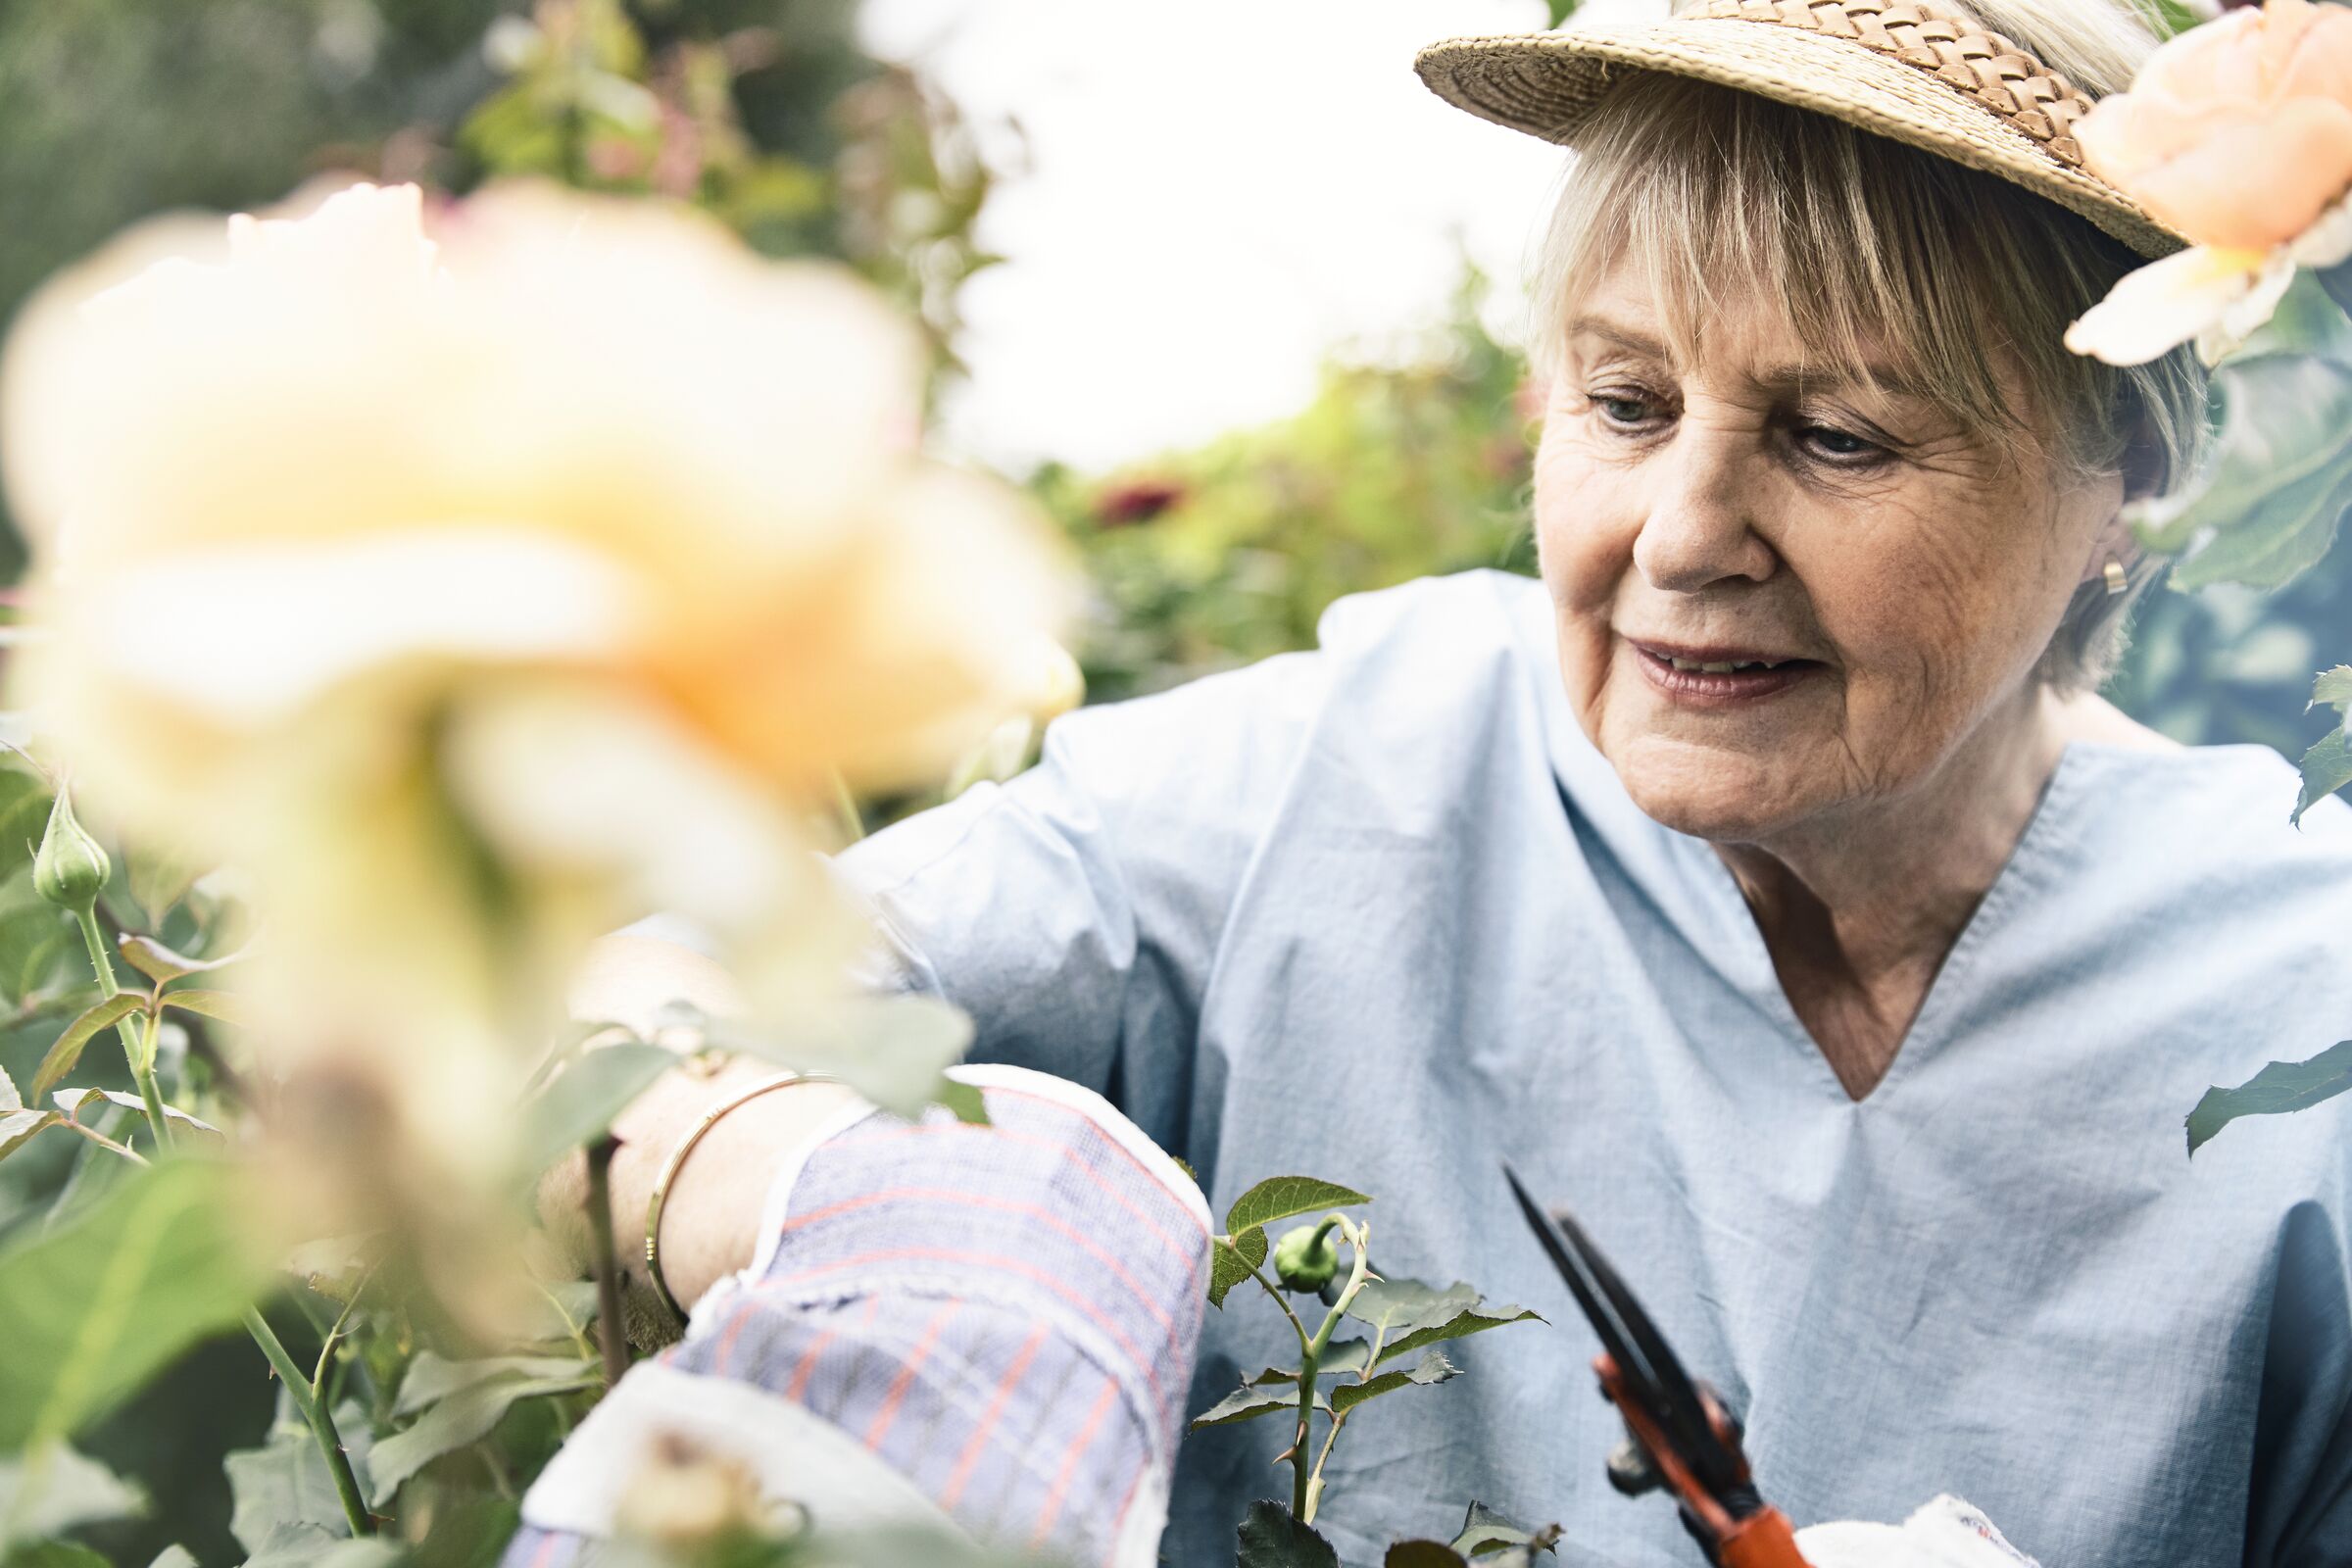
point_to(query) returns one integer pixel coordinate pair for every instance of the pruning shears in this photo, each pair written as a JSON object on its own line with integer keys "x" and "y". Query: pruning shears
{"x": 1682, "y": 1435}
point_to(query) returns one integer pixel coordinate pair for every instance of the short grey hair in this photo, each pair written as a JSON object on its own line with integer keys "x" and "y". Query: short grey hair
{"x": 1876, "y": 248}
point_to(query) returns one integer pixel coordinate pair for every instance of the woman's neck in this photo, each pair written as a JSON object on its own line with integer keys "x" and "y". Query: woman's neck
{"x": 1860, "y": 910}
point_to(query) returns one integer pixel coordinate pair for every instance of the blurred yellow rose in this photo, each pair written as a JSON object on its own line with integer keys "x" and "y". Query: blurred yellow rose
{"x": 480, "y": 589}
{"x": 2237, "y": 133}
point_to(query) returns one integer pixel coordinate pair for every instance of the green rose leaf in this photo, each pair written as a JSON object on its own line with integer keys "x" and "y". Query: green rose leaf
{"x": 2277, "y": 459}
{"x": 2333, "y": 687}
{"x": 160, "y": 964}
{"x": 225, "y": 1006}
{"x": 309, "y": 1546}
{"x": 895, "y": 1050}
{"x": 74, "y": 1101}
{"x": 62, "y": 1056}
{"x": 17, "y": 1128}
{"x": 1283, "y": 1196}
{"x": 466, "y": 1416}
{"x": 1271, "y": 1538}
{"x": 1342, "y": 1356}
{"x": 53, "y": 1554}
{"x": 431, "y": 1379}
{"x": 1484, "y": 1529}
{"x": 52, "y": 1489}
{"x": 1422, "y": 1555}
{"x": 285, "y": 1481}
{"x": 1410, "y": 1313}
{"x": 1230, "y": 1260}
{"x": 582, "y": 1101}
{"x": 2279, "y": 1086}
{"x": 1433, "y": 1368}
{"x": 1247, "y": 1404}
{"x": 93, "y": 1309}
{"x": 2327, "y": 768}
{"x": 2284, "y": 534}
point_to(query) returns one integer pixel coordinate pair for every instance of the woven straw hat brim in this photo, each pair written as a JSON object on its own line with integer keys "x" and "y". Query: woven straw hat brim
{"x": 1549, "y": 83}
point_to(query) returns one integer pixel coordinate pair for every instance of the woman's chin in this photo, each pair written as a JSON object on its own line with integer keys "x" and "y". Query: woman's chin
{"x": 1717, "y": 796}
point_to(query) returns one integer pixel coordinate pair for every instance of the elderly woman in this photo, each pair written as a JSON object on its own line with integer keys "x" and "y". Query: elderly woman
{"x": 1768, "y": 881}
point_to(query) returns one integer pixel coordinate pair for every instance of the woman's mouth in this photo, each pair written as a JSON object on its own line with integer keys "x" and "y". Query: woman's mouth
{"x": 1716, "y": 677}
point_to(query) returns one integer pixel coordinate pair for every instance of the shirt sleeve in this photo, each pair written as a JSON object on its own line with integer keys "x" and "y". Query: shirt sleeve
{"x": 1075, "y": 911}
{"x": 979, "y": 1332}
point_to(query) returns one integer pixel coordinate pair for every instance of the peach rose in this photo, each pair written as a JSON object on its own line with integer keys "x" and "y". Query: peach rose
{"x": 2237, "y": 133}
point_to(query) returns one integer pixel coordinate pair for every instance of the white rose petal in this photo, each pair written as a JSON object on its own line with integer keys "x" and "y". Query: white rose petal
{"x": 2165, "y": 304}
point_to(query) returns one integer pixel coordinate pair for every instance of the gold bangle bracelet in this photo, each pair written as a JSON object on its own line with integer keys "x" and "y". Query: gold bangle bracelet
{"x": 677, "y": 1158}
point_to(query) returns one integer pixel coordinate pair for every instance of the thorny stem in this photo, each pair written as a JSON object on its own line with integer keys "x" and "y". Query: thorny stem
{"x": 1338, "y": 1418}
{"x": 298, "y": 1389}
{"x": 608, "y": 1268}
{"x": 142, "y": 1072}
{"x": 315, "y": 1416}
{"x": 1306, "y": 1479}
{"x": 335, "y": 1336}
{"x": 104, "y": 1142}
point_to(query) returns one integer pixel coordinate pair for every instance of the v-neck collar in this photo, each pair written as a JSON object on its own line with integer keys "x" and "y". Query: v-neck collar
{"x": 1691, "y": 884}
{"x": 1930, "y": 1029}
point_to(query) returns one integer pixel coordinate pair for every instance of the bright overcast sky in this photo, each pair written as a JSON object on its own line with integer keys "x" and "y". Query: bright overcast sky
{"x": 1218, "y": 193}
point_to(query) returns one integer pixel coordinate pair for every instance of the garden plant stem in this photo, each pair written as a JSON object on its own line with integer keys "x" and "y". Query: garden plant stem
{"x": 608, "y": 1327}
{"x": 1306, "y": 1475}
{"x": 298, "y": 1388}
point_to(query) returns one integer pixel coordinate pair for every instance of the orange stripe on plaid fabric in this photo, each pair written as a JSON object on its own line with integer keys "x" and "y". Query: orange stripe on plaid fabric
{"x": 969, "y": 1460}
{"x": 1010, "y": 1265}
{"x": 1191, "y": 1254}
{"x": 1044, "y": 1216}
{"x": 1069, "y": 1463}
{"x": 798, "y": 1389}
{"x": 898, "y": 1385}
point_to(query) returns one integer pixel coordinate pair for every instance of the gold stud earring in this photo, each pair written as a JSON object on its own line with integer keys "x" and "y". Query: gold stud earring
{"x": 2112, "y": 571}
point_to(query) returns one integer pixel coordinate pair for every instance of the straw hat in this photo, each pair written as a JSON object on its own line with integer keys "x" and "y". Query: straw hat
{"x": 1898, "y": 68}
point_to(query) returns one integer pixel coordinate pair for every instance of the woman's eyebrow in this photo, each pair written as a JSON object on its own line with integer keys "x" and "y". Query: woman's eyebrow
{"x": 1616, "y": 335}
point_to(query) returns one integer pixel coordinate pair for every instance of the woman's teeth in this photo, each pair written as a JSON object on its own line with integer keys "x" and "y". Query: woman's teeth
{"x": 1725, "y": 669}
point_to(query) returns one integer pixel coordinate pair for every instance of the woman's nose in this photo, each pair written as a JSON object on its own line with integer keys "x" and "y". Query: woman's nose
{"x": 1699, "y": 528}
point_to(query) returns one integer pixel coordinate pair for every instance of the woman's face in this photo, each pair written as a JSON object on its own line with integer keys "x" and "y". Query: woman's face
{"x": 1886, "y": 581}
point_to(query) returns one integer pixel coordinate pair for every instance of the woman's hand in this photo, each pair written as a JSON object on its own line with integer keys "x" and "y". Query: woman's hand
{"x": 710, "y": 1222}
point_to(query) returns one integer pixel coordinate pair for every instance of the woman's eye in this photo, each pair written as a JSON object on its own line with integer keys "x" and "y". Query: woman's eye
{"x": 1620, "y": 410}
{"x": 1831, "y": 442}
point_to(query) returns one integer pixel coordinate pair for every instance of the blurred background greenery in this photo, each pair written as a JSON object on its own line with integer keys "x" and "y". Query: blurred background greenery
{"x": 771, "y": 114}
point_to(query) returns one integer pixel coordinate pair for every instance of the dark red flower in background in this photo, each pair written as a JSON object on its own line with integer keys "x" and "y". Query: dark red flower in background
{"x": 1124, "y": 505}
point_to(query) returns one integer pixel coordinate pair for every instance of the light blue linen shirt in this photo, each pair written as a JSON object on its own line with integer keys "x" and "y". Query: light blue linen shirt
{"x": 1379, "y": 913}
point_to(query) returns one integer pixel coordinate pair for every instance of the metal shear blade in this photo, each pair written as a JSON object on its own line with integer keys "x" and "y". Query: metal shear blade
{"x": 1647, "y": 1366}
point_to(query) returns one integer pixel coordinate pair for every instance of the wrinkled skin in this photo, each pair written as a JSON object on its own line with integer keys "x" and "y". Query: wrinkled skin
{"x": 1866, "y": 808}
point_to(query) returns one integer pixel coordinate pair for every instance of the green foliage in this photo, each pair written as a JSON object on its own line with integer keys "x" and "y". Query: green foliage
{"x": 895, "y": 1050}
{"x": 1230, "y": 1260}
{"x": 2279, "y": 1086}
{"x": 582, "y": 1101}
{"x": 1284, "y": 1196}
{"x": 1270, "y": 1537}
{"x": 1204, "y": 559}
{"x": 1403, "y": 1315}
{"x": 1406, "y": 1315}
{"x": 91, "y": 1310}
{"x": 51, "y": 1489}
{"x": 284, "y": 1483}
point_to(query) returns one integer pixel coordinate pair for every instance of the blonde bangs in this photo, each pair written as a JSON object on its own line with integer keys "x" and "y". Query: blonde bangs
{"x": 1878, "y": 254}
